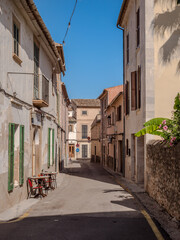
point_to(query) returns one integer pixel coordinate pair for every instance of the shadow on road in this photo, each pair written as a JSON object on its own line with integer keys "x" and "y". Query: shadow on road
{"x": 86, "y": 169}
{"x": 87, "y": 226}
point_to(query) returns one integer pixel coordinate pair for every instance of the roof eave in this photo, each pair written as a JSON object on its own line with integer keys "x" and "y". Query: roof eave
{"x": 122, "y": 13}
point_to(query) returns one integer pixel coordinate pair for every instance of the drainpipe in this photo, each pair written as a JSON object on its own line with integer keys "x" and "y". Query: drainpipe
{"x": 124, "y": 136}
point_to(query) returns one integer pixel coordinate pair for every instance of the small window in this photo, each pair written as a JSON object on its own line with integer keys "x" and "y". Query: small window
{"x": 127, "y": 48}
{"x": 109, "y": 120}
{"x": 16, "y": 37}
{"x": 70, "y": 128}
{"x": 84, "y": 112}
{"x": 127, "y": 97}
{"x": 112, "y": 122}
{"x": 84, "y": 151}
{"x": 119, "y": 114}
{"x": 127, "y": 147}
{"x": 138, "y": 27}
{"x": 84, "y": 131}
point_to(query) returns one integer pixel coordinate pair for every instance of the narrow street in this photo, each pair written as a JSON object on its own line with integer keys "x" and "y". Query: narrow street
{"x": 88, "y": 204}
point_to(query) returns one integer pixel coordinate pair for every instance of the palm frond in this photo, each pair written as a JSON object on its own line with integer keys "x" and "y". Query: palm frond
{"x": 148, "y": 129}
{"x": 168, "y": 20}
{"x": 170, "y": 46}
{"x": 156, "y": 121}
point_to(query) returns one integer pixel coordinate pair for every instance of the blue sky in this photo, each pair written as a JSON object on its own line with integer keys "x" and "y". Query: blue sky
{"x": 93, "y": 47}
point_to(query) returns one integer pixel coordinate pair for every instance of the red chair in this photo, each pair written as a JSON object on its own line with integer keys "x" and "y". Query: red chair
{"x": 33, "y": 188}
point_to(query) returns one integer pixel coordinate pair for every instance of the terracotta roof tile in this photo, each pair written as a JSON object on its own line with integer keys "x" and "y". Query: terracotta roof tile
{"x": 86, "y": 102}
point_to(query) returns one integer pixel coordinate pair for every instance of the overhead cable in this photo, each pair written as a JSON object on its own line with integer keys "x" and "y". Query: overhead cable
{"x": 69, "y": 24}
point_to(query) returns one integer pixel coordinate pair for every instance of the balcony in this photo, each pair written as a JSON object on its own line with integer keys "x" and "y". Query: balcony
{"x": 41, "y": 91}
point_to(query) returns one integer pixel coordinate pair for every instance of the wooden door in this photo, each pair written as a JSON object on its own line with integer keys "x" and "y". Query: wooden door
{"x": 71, "y": 151}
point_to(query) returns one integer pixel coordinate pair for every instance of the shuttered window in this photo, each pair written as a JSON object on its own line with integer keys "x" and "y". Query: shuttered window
{"x": 84, "y": 151}
{"x": 52, "y": 146}
{"x": 119, "y": 114}
{"x": 127, "y": 97}
{"x": 16, "y": 38}
{"x": 11, "y": 157}
{"x": 127, "y": 48}
{"x": 84, "y": 131}
{"x": 112, "y": 122}
{"x": 138, "y": 27}
{"x": 127, "y": 147}
{"x": 49, "y": 146}
{"x": 36, "y": 72}
{"x": 139, "y": 88}
{"x": 21, "y": 156}
{"x": 133, "y": 91}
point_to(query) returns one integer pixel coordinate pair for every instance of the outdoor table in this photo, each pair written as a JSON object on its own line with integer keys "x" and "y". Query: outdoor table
{"x": 52, "y": 176}
{"x": 40, "y": 180}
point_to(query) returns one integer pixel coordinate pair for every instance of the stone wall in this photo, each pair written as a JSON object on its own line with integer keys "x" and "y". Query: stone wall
{"x": 163, "y": 176}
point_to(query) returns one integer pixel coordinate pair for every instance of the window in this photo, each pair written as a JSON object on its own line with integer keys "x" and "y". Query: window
{"x": 136, "y": 89}
{"x": 112, "y": 122}
{"x": 36, "y": 71}
{"x": 50, "y": 147}
{"x": 84, "y": 151}
{"x": 119, "y": 116}
{"x": 139, "y": 87}
{"x": 178, "y": 2}
{"x": 84, "y": 131}
{"x": 16, "y": 37}
{"x": 127, "y": 98}
{"x": 133, "y": 91}
{"x": 127, "y": 147}
{"x": 127, "y": 48}
{"x": 84, "y": 112}
{"x": 138, "y": 27}
{"x": 109, "y": 120}
{"x": 70, "y": 128}
{"x": 15, "y": 156}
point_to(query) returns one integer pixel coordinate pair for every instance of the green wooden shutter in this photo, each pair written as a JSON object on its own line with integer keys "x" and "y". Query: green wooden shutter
{"x": 11, "y": 157}
{"x": 49, "y": 141}
{"x": 21, "y": 156}
{"x": 52, "y": 146}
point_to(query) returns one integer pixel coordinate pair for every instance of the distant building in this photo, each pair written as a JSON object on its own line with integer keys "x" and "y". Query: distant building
{"x": 64, "y": 126}
{"x": 86, "y": 111}
{"x": 106, "y": 97}
{"x": 72, "y": 139}
{"x": 114, "y": 143}
{"x": 96, "y": 139}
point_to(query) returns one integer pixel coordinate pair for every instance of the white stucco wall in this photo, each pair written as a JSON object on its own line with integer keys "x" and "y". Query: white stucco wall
{"x": 21, "y": 86}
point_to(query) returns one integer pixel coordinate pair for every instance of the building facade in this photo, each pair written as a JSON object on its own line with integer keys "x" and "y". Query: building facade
{"x": 72, "y": 140}
{"x": 114, "y": 143}
{"x": 86, "y": 111}
{"x": 96, "y": 139}
{"x": 107, "y": 96}
{"x": 150, "y": 84}
{"x": 30, "y": 72}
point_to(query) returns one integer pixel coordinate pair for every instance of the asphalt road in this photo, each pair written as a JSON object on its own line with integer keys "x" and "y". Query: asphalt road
{"x": 87, "y": 205}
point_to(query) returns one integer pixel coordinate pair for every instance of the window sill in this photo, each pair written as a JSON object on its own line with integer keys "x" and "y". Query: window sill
{"x": 17, "y": 59}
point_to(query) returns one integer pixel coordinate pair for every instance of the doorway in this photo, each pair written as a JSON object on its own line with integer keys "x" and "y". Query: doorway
{"x": 71, "y": 150}
{"x": 114, "y": 157}
{"x": 120, "y": 156}
{"x": 36, "y": 164}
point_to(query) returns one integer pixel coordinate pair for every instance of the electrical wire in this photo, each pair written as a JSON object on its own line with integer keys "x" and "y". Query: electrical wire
{"x": 69, "y": 24}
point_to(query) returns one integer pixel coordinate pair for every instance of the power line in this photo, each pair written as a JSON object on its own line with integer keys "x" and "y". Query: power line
{"x": 69, "y": 24}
